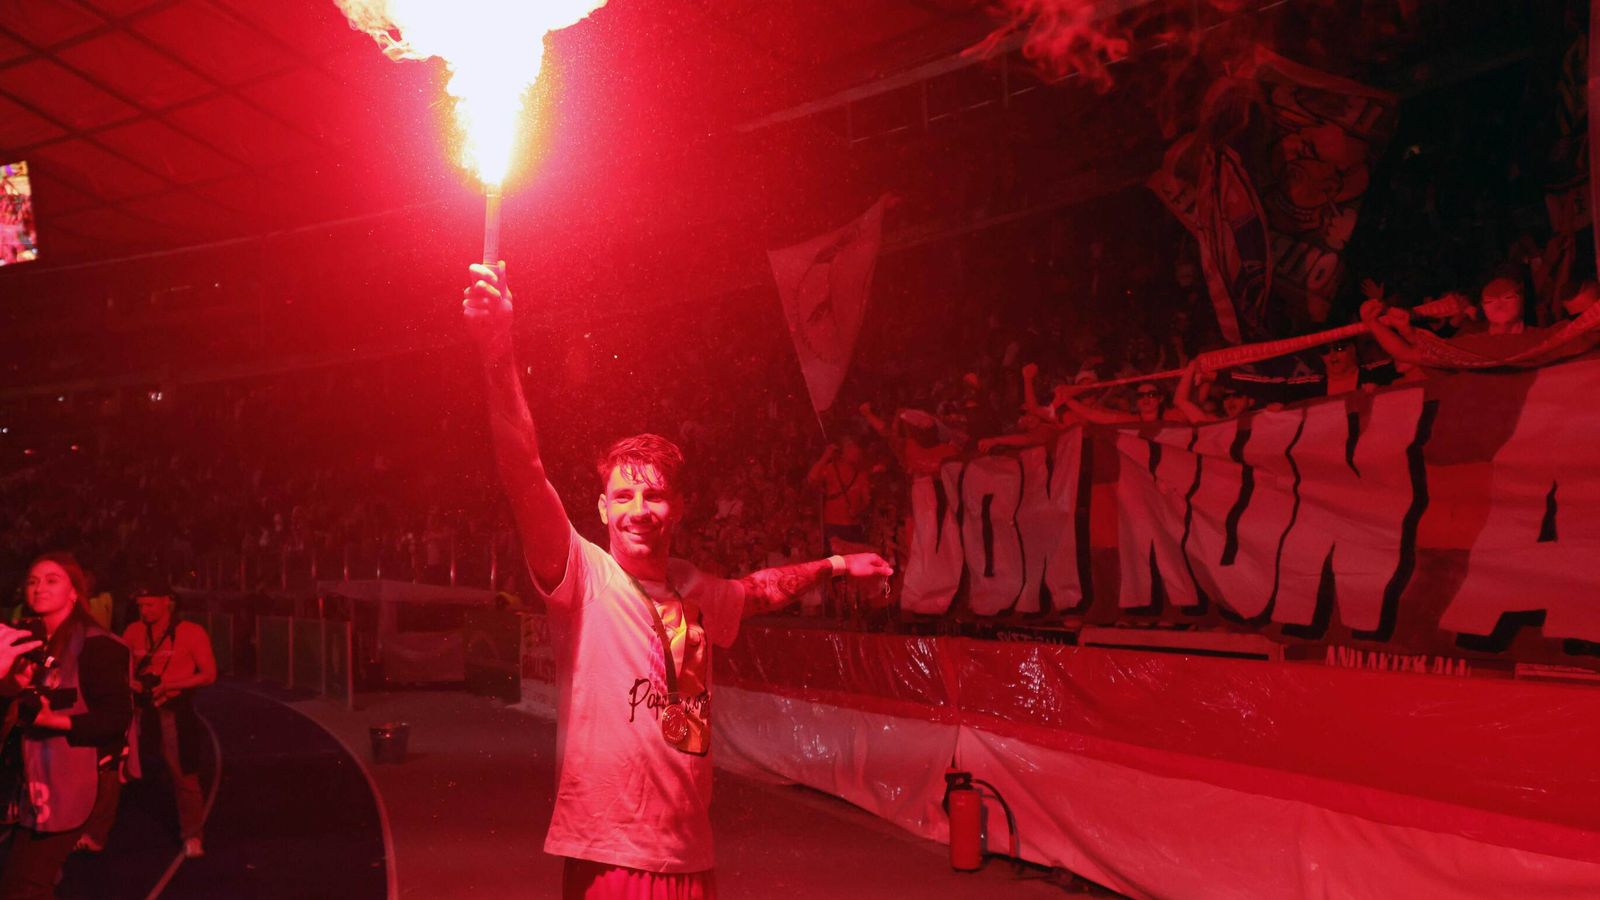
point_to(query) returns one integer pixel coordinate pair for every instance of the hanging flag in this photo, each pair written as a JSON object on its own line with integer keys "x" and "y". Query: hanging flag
{"x": 1324, "y": 133}
{"x": 1592, "y": 98}
{"x": 1328, "y": 132}
{"x": 1567, "y": 193}
{"x": 823, "y": 284}
{"x": 1219, "y": 206}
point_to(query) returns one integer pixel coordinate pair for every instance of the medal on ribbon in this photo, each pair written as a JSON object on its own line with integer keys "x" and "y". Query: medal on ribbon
{"x": 674, "y": 723}
{"x": 678, "y": 728}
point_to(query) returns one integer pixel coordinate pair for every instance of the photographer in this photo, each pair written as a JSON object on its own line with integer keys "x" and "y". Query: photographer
{"x": 172, "y": 658}
{"x": 67, "y": 711}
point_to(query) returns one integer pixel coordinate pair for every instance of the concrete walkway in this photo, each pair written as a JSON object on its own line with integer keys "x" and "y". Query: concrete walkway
{"x": 467, "y": 811}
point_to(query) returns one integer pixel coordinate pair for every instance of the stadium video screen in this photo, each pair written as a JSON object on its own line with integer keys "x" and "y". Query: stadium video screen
{"x": 18, "y": 243}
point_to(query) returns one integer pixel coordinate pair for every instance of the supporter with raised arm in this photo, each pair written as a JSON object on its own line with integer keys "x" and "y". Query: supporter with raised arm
{"x": 914, "y": 440}
{"x": 633, "y": 630}
{"x": 1184, "y": 401}
{"x": 1503, "y": 332}
{"x": 1056, "y": 412}
{"x": 1581, "y": 300}
{"x": 1030, "y": 393}
{"x": 1389, "y": 326}
{"x": 1150, "y": 406}
{"x": 1232, "y": 403}
{"x": 878, "y": 425}
{"x": 842, "y": 476}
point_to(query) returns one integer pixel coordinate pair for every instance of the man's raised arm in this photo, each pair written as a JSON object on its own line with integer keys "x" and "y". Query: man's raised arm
{"x": 771, "y": 589}
{"x": 1388, "y": 326}
{"x": 541, "y": 520}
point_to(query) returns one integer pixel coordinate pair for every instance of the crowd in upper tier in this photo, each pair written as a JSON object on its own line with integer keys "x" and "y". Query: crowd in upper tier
{"x": 383, "y": 468}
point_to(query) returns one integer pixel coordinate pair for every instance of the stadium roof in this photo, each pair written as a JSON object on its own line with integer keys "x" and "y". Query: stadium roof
{"x": 150, "y": 125}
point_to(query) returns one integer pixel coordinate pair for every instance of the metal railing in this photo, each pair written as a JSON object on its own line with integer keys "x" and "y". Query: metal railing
{"x": 289, "y": 568}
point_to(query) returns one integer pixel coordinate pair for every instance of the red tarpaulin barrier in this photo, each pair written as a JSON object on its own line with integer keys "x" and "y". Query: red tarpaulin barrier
{"x": 1176, "y": 775}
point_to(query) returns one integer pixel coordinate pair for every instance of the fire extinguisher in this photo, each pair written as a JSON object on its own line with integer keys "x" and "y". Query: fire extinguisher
{"x": 963, "y": 803}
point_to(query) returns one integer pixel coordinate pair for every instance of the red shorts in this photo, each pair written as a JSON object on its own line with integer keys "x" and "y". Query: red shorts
{"x": 584, "y": 879}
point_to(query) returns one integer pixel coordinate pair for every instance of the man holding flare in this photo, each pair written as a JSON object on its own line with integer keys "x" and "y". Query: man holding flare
{"x": 633, "y": 630}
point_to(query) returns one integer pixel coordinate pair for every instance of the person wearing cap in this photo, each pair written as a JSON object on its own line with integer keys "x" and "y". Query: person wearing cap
{"x": 171, "y": 659}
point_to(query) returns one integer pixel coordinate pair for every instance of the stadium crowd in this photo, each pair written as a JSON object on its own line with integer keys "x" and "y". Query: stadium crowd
{"x": 260, "y": 483}
{"x": 973, "y": 342}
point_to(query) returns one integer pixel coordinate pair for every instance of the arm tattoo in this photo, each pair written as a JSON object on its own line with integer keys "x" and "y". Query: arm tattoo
{"x": 771, "y": 589}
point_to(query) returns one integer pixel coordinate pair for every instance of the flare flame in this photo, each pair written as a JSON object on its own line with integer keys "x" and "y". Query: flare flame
{"x": 493, "y": 50}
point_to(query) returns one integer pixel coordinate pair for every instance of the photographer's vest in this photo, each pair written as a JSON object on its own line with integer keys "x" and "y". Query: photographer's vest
{"x": 61, "y": 780}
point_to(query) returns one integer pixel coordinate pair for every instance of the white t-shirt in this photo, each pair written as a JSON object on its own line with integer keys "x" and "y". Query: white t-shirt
{"x": 624, "y": 796}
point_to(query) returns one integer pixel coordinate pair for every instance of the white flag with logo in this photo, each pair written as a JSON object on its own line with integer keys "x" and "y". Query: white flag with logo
{"x": 823, "y": 284}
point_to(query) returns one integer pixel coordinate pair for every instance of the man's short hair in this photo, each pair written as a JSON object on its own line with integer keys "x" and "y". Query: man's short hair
{"x": 634, "y": 454}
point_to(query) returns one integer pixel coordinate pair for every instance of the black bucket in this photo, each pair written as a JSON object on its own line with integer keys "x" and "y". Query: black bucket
{"x": 389, "y": 742}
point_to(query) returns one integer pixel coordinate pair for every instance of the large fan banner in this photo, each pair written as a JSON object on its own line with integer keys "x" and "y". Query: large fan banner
{"x": 1458, "y": 517}
{"x": 1210, "y": 192}
{"x": 1325, "y": 133}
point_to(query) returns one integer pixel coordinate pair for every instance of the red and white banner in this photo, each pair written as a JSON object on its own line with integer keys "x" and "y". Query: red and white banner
{"x": 824, "y": 284}
{"x": 1459, "y": 517}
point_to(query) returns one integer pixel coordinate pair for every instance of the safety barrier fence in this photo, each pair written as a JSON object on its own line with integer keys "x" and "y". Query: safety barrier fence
{"x": 310, "y": 654}
{"x": 219, "y": 625}
{"x": 1172, "y": 774}
{"x": 464, "y": 562}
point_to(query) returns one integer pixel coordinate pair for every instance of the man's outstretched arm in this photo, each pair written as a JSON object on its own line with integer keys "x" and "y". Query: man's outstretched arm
{"x": 772, "y": 589}
{"x": 541, "y": 520}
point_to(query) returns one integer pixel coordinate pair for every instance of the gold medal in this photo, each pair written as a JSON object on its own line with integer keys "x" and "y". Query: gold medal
{"x": 676, "y": 728}
{"x": 674, "y": 723}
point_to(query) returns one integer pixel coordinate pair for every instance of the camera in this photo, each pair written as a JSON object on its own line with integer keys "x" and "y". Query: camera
{"x": 148, "y": 682}
{"x": 40, "y": 655}
{"x": 30, "y": 700}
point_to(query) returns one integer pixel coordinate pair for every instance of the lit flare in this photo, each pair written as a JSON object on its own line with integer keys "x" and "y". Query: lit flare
{"x": 493, "y": 50}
